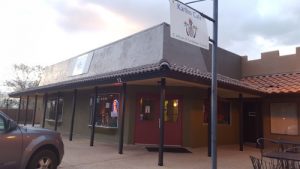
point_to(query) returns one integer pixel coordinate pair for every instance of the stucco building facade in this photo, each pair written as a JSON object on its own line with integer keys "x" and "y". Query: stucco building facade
{"x": 124, "y": 86}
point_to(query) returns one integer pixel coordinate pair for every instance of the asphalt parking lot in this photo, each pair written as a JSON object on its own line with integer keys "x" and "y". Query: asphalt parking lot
{"x": 79, "y": 155}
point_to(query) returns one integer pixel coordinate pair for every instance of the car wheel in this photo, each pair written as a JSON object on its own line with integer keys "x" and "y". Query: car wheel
{"x": 44, "y": 159}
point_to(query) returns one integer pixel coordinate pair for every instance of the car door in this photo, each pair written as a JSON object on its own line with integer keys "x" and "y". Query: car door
{"x": 10, "y": 146}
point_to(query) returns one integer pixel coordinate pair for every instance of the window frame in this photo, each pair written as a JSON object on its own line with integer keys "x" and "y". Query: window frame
{"x": 91, "y": 109}
{"x": 59, "y": 120}
{"x": 4, "y": 125}
{"x": 220, "y": 101}
{"x": 297, "y": 118}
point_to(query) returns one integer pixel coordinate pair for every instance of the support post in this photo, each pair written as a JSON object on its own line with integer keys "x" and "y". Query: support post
{"x": 209, "y": 124}
{"x": 34, "y": 111}
{"x": 214, "y": 88}
{"x": 56, "y": 111}
{"x": 161, "y": 121}
{"x": 94, "y": 117}
{"x": 241, "y": 123}
{"x": 19, "y": 110}
{"x": 121, "y": 126}
{"x": 73, "y": 114}
{"x": 45, "y": 109}
{"x": 26, "y": 111}
{"x": 7, "y": 104}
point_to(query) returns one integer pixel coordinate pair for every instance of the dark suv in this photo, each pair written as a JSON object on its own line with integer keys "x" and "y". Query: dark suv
{"x": 28, "y": 148}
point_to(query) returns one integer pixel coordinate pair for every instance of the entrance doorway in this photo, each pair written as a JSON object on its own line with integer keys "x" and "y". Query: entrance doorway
{"x": 252, "y": 119}
{"x": 147, "y": 119}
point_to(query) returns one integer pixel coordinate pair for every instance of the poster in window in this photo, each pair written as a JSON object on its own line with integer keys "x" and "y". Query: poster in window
{"x": 147, "y": 109}
{"x": 115, "y": 108}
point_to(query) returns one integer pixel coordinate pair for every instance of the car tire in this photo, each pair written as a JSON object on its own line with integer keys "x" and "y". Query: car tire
{"x": 43, "y": 159}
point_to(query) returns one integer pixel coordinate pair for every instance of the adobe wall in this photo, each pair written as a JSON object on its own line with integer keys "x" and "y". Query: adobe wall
{"x": 267, "y": 117}
{"x": 194, "y": 130}
{"x": 271, "y": 63}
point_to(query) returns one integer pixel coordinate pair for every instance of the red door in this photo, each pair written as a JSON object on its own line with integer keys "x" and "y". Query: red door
{"x": 147, "y": 119}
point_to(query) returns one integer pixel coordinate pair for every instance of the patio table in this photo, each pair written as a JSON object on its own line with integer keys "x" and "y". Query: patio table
{"x": 283, "y": 155}
{"x": 285, "y": 160}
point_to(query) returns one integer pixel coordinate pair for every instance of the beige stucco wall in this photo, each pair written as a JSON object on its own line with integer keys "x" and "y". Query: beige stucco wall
{"x": 271, "y": 63}
{"x": 267, "y": 117}
{"x": 194, "y": 132}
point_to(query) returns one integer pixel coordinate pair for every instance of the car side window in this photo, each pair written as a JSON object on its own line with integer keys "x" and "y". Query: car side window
{"x": 2, "y": 124}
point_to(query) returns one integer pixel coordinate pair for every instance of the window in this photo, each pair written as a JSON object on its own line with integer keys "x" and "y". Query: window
{"x": 171, "y": 110}
{"x": 108, "y": 107}
{"x": 284, "y": 118}
{"x": 223, "y": 112}
{"x": 2, "y": 124}
{"x": 51, "y": 109}
{"x": 147, "y": 108}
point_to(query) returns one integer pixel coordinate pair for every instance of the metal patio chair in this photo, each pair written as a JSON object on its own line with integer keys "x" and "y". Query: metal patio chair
{"x": 259, "y": 163}
{"x": 268, "y": 145}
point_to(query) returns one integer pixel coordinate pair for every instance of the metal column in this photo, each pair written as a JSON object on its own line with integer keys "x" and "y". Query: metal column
{"x": 73, "y": 114}
{"x": 214, "y": 88}
{"x": 121, "y": 126}
{"x": 7, "y": 104}
{"x": 209, "y": 126}
{"x": 162, "y": 121}
{"x": 94, "y": 117}
{"x": 34, "y": 111}
{"x": 241, "y": 123}
{"x": 56, "y": 111}
{"x": 19, "y": 110}
{"x": 45, "y": 108}
{"x": 26, "y": 111}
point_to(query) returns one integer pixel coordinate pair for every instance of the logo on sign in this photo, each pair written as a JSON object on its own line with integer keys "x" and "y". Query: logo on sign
{"x": 190, "y": 28}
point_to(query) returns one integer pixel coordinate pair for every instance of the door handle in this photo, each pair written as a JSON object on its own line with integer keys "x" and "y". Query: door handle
{"x": 159, "y": 123}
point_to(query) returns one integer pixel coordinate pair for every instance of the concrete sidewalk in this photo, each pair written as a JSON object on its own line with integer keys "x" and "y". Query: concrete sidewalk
{"x": 79, "y": 155}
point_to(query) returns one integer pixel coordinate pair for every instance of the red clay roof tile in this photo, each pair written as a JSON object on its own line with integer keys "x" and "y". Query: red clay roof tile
{"x": 277, "y": 83}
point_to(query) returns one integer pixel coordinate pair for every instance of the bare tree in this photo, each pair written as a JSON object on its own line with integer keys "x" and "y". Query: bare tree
{"x": 24, "y": 77}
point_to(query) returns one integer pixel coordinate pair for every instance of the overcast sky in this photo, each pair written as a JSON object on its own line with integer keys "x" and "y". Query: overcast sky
{"x": 40, "y": 32}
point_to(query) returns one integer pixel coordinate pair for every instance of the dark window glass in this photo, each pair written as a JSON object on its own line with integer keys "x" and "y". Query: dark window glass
{"x": 147, "y": 109}
{"x": 171, "y": 110}
{"x": 108, "y": 107}
{"x": 223, "y": 112}
{"x": 51, "y": 109}
{"x": 2, "y": 125}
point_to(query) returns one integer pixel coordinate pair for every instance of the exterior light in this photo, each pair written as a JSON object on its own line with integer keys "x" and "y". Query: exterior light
{"x": 175, "y": 103}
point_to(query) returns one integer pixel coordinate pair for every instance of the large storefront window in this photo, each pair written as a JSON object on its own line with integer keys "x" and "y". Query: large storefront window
{"x": 284, "y": 118}
{"x": 51, "y": 109}
{"x": 108, "y": 107}
{"x": 223, "y": 112}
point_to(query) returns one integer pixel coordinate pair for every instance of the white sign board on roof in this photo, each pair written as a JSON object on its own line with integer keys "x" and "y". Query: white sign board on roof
{"x": 82, "y": 64}
{"x": 188, "y": 25}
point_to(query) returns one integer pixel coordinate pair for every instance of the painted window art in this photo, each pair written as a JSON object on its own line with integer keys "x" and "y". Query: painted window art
{"x": 108, "y": 108}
